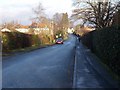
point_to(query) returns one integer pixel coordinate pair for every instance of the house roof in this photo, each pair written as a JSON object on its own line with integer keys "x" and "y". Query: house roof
{"x": 25, "y": 27}
{"x": 24, "y": 30}
{"x": 5, "y": 30}
{"x": 42, "y": 25}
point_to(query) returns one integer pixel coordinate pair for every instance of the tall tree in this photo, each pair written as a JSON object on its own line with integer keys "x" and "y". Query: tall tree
{"x": 116, "y": 19}
{"x": 57, "y": 18}
{"x": 98, "y": 13}
{"x": 61, "y": 23}
{"x": 65, "y": 21}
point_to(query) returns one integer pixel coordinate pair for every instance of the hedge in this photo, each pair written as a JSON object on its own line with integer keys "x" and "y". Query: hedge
{"x": 16, "y": 40}
{"x": 105, "y": 43}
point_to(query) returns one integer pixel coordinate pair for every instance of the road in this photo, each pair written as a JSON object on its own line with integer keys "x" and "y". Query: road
{"x": 68, "y": 65}
{"x": 50, "y": 67}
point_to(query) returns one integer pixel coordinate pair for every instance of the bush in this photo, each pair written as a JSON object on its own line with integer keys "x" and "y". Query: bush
{"x": 87, "y": 39}
{"x": 105, "y": 43}
{"x": 35, "y": 40}
{"x": 16, "y": 40}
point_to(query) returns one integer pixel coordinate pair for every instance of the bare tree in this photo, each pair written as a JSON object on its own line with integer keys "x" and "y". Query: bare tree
{"x": 116, "y": 19}
{"x": 39, "y": 13}
{"x": 98, "y": 13}
{"x": 57, "y": 18}
{"x": 65, "y": 21}
{"x": 61, "y": 23}
{"x": 10, "y": 25}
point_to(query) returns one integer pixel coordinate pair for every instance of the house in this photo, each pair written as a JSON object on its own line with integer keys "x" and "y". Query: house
{"x": 70, "y": 30}
{"x": 33, "y": 25}
{"x": 5, "y": 30}
{"x": 17, "y": 26}
{"x": 22, "y": 30}
{"x": 40, "y": 28}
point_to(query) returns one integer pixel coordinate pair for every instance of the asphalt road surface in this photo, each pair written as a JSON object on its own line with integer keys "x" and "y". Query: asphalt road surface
{"x": 54, "y": 67}
{"x": 50, "y": 67}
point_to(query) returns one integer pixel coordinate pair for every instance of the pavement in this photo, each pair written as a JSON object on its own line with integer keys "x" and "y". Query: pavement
{"x": 89, "y": 72}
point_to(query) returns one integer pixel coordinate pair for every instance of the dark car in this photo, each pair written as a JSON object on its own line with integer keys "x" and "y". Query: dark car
{"x": 59, "y": 41}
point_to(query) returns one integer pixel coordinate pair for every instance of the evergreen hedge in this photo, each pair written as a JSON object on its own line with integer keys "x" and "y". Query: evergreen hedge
{"x": 17, "y": 40}
{"x": 105, "y": 43}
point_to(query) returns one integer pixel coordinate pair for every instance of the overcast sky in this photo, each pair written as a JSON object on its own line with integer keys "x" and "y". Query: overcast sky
{"x": 21, "y": 10}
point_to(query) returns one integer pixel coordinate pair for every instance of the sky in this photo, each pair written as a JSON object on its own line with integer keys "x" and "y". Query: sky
{"x": 21, "y": 10}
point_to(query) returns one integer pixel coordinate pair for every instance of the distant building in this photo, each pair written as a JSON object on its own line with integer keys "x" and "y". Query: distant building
{"x": 22, "y": 30}
{"x": 35, "y": 27}
{"x": 17, "y": 26}
{"x": 5, "y": 30}
{"x": 70, "y": 30}
{"x": 40, "y": 28}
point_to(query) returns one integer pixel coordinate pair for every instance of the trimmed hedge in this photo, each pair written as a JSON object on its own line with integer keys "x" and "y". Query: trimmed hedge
{"x": 105, "y": 43}
{"x": 16, "y": 40}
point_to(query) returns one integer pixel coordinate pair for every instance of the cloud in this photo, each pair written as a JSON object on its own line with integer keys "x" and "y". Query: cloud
{"x": 60, "y": 6}
{"x": 17, "y": 2}
{"x": 22, "y": 9}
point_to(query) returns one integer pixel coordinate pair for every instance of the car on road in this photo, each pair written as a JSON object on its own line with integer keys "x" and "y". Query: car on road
{"x": 59, "y": 41}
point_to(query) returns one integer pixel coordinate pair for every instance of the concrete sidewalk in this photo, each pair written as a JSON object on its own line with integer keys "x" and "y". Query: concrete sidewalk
{"x": 88, "y": 72}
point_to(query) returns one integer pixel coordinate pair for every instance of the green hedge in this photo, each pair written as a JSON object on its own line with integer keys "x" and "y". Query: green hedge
{"x": 16, "y": 40}
{"x": 105, "y": 43}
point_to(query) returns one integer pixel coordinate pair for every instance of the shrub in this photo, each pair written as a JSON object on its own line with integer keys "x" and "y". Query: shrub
{"x": 105, "y": 43}
{"x": 16, "y": 40}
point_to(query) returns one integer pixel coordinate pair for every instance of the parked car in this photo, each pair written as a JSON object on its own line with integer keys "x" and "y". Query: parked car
{"x": 59, "y": 41}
